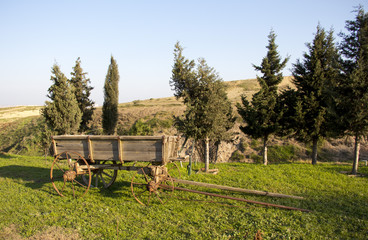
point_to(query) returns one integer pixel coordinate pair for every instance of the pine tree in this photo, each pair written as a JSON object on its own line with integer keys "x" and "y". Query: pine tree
{"x": 62, "y": 113}
{"x": 82, "y": 92}
{"x": 111, "y": 100}
{"x": 208, "y": 115}
{"x": 314, "y": 78}
{"x": 261, "y": 115}
{"x": 352, "y": 89}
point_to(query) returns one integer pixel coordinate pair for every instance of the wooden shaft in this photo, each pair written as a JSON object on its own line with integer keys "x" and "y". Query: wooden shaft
{"x": 235, "y": 189}
{"x": 241, "y": 199}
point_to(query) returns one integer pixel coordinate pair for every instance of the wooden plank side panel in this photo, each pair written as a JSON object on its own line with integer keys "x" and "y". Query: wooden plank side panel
{"x": 105, "y": 149}
{"x": 132, "y": 148}
{"x": 148, "y": 150}
{"x": 72, "y": 145}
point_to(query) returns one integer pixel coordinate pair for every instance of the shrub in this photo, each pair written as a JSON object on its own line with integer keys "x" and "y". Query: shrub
{"x": 284, "y": 153}
{"x": 140, "y": 128}
{"x": 256, "y": 158}
{"x": 243, "y": 145}
{"x": 254, "y": 144}
{"x": 236, "y": 156}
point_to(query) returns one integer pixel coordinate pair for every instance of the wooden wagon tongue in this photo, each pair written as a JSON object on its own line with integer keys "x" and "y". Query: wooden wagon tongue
{"x": 208, "y": 185}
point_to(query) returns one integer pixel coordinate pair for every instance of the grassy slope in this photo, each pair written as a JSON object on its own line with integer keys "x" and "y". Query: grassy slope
{"x": 339, "y": 204}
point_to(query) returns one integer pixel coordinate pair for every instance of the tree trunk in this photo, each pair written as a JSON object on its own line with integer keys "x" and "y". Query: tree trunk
{"x": 265, "y": 160}
{"x": 207, "y": 156}
{"x": 356, "y": 155}
{"x": 314, "y": 151}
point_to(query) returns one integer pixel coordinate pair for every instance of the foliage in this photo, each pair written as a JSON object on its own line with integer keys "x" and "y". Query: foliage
{"x": 261, "y": 115}
{"x": 352, "y": 92}
{"x": 283, "y": 153}
{"x": 62, "y": 114}
{"x": 208, "y": 114}
{"x": 236, "y": 156}
{"x": 140, "y": 128}
{"x": 315, "y": 78}
{"x": 338, "y": 204}
{"x": 111, "y": 99}
{"x": 183, "y": 80}
{"x": 208, "y": 111}
{"x": 82, "y": 92}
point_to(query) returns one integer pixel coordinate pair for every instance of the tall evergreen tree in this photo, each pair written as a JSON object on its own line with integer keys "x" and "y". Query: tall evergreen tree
{"x": 82, "y": 92}
{"x": 314, "y": 78}
{"x": 62, "y": 113}
{"x": 183, "y": 79}
{"x": 111, "y": 100}
{"x": 208, "y": 115}
{"x": 261, "y": 115}
{"x": 353, "y": 87}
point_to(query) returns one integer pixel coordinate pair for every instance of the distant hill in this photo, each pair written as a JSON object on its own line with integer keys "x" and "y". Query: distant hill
{"x": 234, "y": 89}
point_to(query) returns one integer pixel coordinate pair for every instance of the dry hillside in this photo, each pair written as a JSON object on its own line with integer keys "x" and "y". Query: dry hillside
{"x": 18, "y": 123}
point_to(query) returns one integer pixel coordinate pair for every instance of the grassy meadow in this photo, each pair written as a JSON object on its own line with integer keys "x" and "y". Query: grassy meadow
{"x": 31, "y": 209}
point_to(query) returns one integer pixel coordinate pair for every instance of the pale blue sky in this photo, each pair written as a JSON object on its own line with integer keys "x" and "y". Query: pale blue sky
{"x": 231, "y": 35}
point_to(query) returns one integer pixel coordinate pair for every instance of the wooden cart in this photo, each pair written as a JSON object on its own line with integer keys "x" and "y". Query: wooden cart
{"x": 81, "y": 162}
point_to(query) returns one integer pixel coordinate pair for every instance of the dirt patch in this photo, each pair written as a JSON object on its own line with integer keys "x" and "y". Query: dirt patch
{"x": 10, "y": 233}
{"x": 50, "y": 233}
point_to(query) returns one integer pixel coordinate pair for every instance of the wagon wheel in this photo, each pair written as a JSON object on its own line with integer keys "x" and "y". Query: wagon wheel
{"x": 101, "y": 177}
{"x": 66, "y": 174}
{"x": 146, "y": 191}
{"x": 173, "y": 170}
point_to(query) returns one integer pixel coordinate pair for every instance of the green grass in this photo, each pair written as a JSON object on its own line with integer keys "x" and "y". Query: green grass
{"x": 339, "y": 205}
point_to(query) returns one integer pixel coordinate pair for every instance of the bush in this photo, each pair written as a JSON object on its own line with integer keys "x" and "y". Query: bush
{"x": 243, "y": 145}
{"x": 140, "y": 128}
{"x": 256, "y": 158}
{"x": 236, "y": 156}
{"x": 254, "y": 144}
{"x": 284, "y": 153}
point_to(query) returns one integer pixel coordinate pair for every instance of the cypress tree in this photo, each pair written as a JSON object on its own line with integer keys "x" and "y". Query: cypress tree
{"x": 261, "y": 115}
{"x": 82, "y": 92}
{"x": 208, "y": 115}
{"x": 314, "y": 78}
{"x": 111, "y": 99}
{"x": 352, "y": 89}
{"x": 183, "y": 80}
{"x": 62, "y": 113}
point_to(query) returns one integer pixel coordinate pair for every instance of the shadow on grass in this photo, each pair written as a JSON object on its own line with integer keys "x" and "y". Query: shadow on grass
{"x": 346, "y": 170}
{"x": 35, "y": 177}
{"x": 117, "y": 190}
{"x": 5, "y": 155}
{"x": 339, "y": 205}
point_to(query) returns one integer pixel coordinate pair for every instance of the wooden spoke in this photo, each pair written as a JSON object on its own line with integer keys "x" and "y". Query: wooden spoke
{"x": 102, "y": 177}
{"x": 147, "y": 189}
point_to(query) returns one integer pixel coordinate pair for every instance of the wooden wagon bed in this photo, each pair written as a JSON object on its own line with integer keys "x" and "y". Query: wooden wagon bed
{"x": 154, "y": 149}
